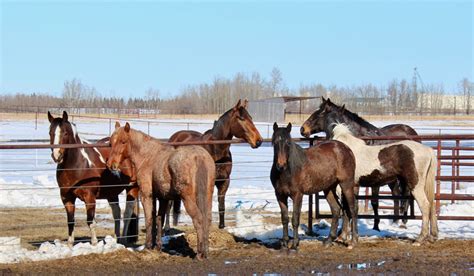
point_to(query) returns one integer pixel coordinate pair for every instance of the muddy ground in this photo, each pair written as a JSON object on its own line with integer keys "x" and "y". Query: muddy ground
{"x": 230, "y": 255}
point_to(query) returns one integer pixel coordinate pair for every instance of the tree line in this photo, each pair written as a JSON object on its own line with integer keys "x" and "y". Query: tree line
{"x": 397, "y": 97}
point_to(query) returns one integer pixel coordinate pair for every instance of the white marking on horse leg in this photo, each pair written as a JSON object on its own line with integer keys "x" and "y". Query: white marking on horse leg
{"x": 92, "y": 227}
{"x": 57, "y": 137}
{"x": 70, "y": 240}
{"x": 116, "y": 215}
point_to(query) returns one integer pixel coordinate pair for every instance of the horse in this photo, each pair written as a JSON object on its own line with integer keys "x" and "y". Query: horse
{"x": 235, "y": 122}
{"x": 411, "y": 163}
{"x": 329, "y": 114}
{"x": 297, "y": 171}
{"x": 167, "y": 173}
{"x": 81, "y": 173}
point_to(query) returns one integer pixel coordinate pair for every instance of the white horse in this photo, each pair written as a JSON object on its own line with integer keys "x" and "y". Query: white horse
{"x": 412, "y": 163}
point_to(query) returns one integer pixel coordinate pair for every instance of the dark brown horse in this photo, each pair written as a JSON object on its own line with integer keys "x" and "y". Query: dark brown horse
{"x": 329, "y": 114}
{"x": 236, "y": 122}
{"x": 166, "y": 173}
{"x": 297, "y": 171}
{"x": 82, "y": 173}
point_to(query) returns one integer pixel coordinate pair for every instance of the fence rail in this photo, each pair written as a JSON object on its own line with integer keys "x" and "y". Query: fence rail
{"x": 455, "y": 159}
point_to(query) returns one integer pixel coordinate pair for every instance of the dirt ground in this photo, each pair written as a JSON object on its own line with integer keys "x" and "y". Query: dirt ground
{"x": 230, "y": 255}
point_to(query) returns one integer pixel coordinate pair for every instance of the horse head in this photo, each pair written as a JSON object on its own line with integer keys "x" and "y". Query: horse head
{"x": 120, "y": 143}
{"x": 318, "y": 122}
{"x": 242, "y": 126}
{"x": 281, "y": 141}
{"x": 61, "y": 131}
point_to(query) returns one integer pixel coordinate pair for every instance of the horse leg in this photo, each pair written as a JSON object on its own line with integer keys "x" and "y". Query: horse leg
{"x": 349, "y": 196}
{"x": 283, "y": 202}
{"x": 404, "y": 202}
{"x": 116, "y": 214}
{"x": 222, "y": 186}
{"x": 395, "y": 188}
{"x": 375, "y": 206}
{"x": 346, "y": 219}
{"x": 90, "y": 202}
{"x": 130, "y": 219}
{"x": 335, "y": 211}
{"x": 160, "y": 220}
{"x": 167, "y": 218}
{"x": 147, "y": 199}
{"x": 424, "y": 205}
{"x": 193, "y": 211}
{"x": 70, "y": 206}
{"x": 297, "y": 201}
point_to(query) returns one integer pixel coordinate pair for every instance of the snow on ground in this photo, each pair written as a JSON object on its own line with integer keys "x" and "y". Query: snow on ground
{"x": 27, "y": 179}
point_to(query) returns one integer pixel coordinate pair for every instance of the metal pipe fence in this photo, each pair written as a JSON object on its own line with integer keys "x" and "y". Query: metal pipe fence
{"x": 454, "y": 156}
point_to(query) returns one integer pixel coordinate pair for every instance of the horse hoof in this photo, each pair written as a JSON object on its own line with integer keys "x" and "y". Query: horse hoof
{"x": 431, "y": 239}
{"x": 94, "y": 241}
{"x": 221, "y": 226}
{"x": 376, "y": 228}
{"x": 350, "y": 246}
{"x": 402, "y": 226}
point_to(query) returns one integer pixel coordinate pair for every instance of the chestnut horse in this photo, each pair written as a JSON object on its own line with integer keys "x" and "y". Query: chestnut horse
{"x": 166, "y": 173}
{"x": 82, "y": 173}
{"x": 412, "y": 163}
{"x": 297, "y": 171}
{"x": 329, "y": 114}
{"x": 236, "y": 122}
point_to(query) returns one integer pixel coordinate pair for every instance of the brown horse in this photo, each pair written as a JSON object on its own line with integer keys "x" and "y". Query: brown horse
{"x": 297, "y": 171}
{"x": 236, "y": 122}
{"x": 81, "y": 173}
{"x": 166, "y": 173}
{"x": 330, "y": 114}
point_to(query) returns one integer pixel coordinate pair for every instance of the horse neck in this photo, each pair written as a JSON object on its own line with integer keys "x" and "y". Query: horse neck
{"x": 350, "y": 140}
{"x": 357, "y": 128}
{"x": 72, "y": 155}
{"x": 296, "y": 158}
{"x": 140, "y": 147}
{"x": 221, "y": 131}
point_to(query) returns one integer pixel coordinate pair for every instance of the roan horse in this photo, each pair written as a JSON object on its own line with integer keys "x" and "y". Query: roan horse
{"x": 297, "y": 171}
{"x": 81, "y": 173}
{"x": 236, "y": 122}
{"x": 329, "y": 114}
{"x": 412, "y": 163}
{"x": 166, "y": 173}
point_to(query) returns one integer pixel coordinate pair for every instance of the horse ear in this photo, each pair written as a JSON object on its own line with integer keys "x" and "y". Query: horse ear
{"x": 342, "y": 108}
{"x": 65, "y": 116}
{"x": 246, "y": 103}
{"x": 323, "y": 99}
{"x": 288, "y": 128}
{"x": 275, "y": 126}
{"x": 117, "y": 124}
{"x": 50, "y": 117}
{"x": 329, "y": 100}
{"x": 239, "y": 103}
{"x": 127, "y": 127}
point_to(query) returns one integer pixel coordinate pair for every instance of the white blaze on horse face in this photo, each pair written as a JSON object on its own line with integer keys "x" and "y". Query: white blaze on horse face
{"x": 57, "y": 137}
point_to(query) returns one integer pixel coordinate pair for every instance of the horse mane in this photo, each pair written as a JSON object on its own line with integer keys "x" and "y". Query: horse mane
{"x": 296, "y": 158}
{"x": 352, "y": 116}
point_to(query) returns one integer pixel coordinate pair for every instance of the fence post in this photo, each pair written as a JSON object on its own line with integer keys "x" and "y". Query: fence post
{"x": 458, "y": 144}
{"x": 438, "y": 182}
{"x": 453, "y": 173}
{"x": 310, "y": 205}
{"x": 148, "y": 128}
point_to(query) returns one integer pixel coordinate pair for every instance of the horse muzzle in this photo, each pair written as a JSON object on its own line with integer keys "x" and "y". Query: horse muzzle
{"x": 305, "y": 131}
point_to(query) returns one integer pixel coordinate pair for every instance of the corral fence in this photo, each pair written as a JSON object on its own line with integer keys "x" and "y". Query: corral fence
{"x": 453, "y": 152}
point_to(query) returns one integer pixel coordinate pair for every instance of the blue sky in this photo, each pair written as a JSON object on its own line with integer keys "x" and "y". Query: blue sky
{"x": 122, "y": 47}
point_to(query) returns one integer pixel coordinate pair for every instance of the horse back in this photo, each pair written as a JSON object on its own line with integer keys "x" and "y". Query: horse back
{"x": 185, "y": 135}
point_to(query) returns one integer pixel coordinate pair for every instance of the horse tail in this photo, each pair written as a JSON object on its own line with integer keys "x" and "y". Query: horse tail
{"x": 430, "y": 180}
{"x": 176, "y": 211}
